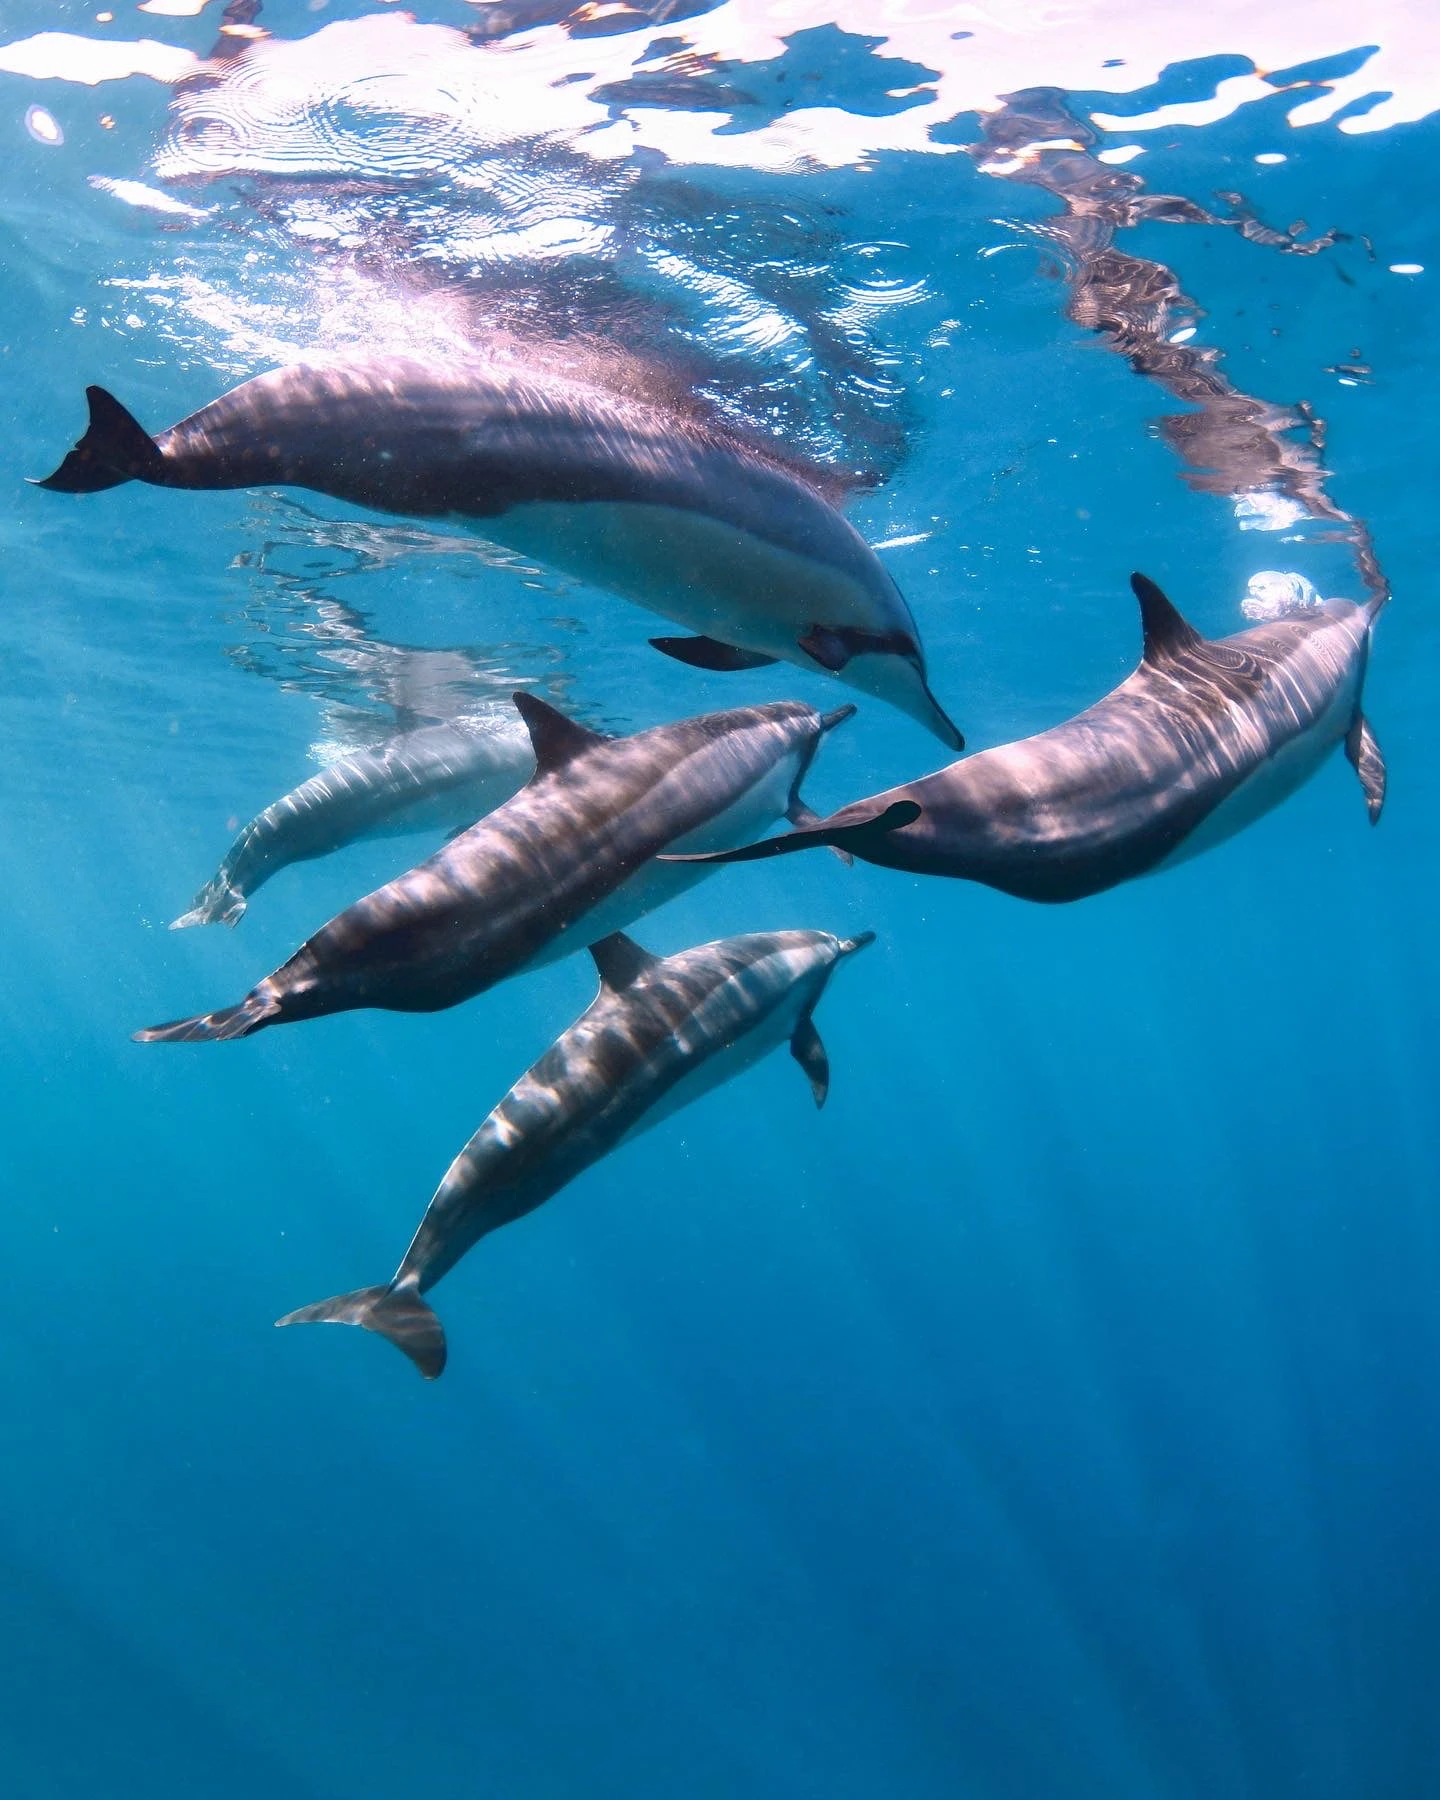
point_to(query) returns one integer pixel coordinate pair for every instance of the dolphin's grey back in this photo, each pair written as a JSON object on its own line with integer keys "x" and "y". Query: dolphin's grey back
{"x": 598, "y": 818}
{"x": 482, "y": 907}
{"x": 411, "y": 437}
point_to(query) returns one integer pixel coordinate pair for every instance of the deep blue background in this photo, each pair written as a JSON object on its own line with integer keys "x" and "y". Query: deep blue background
{"x": 1054, "y": 1415}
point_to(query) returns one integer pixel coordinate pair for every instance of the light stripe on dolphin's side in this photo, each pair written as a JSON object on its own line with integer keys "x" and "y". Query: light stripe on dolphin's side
{"x": 569, "y": 860}
{"x": 685, "y": 518}
{"x": 1202, "y": 739}
{"x": 661, "y": 1032}
{"x": 431, "y": 779}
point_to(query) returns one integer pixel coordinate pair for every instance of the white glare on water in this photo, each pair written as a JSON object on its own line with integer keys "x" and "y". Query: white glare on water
{"x": 44, "y": 127}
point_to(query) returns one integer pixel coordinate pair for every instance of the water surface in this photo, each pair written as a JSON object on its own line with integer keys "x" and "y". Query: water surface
{"x": 1053, "y": 1415}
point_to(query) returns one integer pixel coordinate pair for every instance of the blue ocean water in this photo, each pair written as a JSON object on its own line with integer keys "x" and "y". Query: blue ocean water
{"x": 1053, "y": 1415}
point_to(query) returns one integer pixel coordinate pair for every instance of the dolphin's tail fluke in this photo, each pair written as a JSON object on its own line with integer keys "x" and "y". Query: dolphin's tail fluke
{"x": 254, "y": 1013}
{"x": 860, "y": 839}
{"x": 217, "y": 903}
{"x": 114, "y": 449}
{"x": 396, "y": 1311}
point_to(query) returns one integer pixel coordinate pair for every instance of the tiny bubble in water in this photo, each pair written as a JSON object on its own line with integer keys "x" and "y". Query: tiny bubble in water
{"x": 44, "y": 127}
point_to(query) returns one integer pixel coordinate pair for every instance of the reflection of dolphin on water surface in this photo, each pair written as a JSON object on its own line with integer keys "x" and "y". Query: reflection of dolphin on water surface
{"x": 677, "y": 514}
{"x": 660, "y": 1033}
{"x": 1202, "y": 739}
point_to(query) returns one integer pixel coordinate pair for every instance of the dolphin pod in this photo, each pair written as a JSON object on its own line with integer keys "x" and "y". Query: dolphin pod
{"x": 569, "y": 860}
{"x": 744, "y": 549}
{"x": 661, "y": 1032}
{"x": 1204, "y": 737}
{"x": 437, "y": 777}
{"x": 684, "y": 518}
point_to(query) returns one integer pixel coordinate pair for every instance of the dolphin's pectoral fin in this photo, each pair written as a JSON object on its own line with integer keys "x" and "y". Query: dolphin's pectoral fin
{"x": 1166, "y": 633}
{"x": 619, "y": 960}
{"x": 1368, "y": 762}
{"x": 804, "y": 819}
{"x": 555, "y": 738}
{"x": 809, "y": 1052}
{"x": 114, "y": 449}
{"x": 710, "y": 653}
{"x": 826, "y": 647}
{"x": 860, "y": 836}
{"x": 395, "y": 1311}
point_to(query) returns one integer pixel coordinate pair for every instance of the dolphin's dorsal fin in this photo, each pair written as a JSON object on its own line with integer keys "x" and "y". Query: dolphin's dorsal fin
{"x": 809, "y": 1052}
{"x": 619, "y": 960}
{"x": 555, "y": 738}
{"x": 1166, "y": 633}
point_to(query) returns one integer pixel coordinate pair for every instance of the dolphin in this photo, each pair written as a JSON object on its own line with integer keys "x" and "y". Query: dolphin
{"x": 1204, "y": 737}
{"x": 438, "y": 777}
{"x": 678, "y": 514}
{"x": 661, "y": 1032}
{"x": 566, "y": 862}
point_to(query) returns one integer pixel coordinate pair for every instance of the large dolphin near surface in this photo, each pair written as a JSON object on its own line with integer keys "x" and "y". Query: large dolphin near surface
{"x": 568, "y": 861}
{"x": 661, "y": 1032}
{"x": 681, "y": 516}
{"x": 1202, "y": 739}
{"x": 436, "y": 777}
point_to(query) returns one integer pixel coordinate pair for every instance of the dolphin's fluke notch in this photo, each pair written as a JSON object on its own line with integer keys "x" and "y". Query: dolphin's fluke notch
{"x": 253, "y": 1013}
{"x": 115, "y": 448}
{"x": 395, "y": 1311}
{"x": 858, "y": 838}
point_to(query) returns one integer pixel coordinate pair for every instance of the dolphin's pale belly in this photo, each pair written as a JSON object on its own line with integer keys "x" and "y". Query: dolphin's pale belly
{"x": 1275, "y": 779}
{"x": 725, "y": 1064}
{"x": 719, "y": 579}
{"x": 651, "y": 886}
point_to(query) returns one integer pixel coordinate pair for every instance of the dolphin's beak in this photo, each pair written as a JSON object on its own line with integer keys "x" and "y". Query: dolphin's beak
{"x": 900, "y": 682}
{"x": 861, "y": 941}
{"x": 939, "y": 721}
